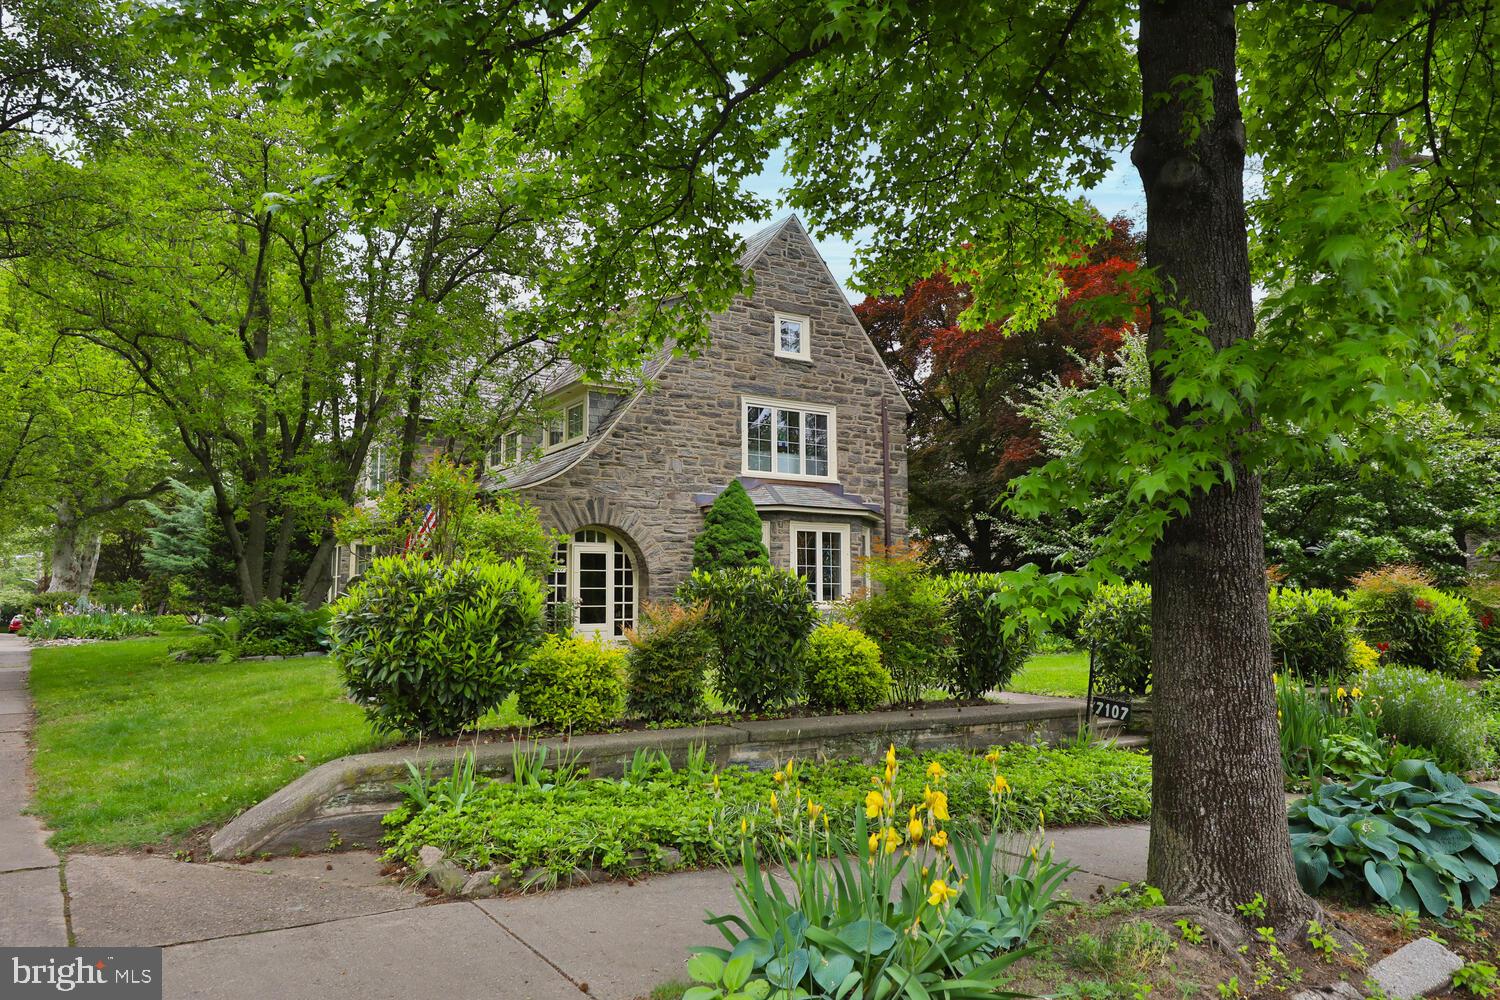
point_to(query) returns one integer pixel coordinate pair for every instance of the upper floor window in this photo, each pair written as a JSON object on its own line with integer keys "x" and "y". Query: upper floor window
{"x": 793, "y": 337}
{"x": 378, "y": 470}
{"x": 571, "y": 427}
{"x": 507, "y": 452}
{"x": 789, "y": 440}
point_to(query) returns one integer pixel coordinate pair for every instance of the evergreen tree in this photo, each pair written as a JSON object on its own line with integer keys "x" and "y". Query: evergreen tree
{"x": 731, "y": 534}
{"x": 178, "y": 544}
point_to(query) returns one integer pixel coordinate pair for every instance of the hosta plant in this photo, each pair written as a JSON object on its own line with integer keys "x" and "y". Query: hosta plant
{"x": 1422, "y": 839}
{"x": 907, "y": 907}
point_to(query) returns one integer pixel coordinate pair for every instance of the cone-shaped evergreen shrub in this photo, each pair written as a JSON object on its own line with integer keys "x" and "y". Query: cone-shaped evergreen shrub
{"x": 730, "y": 537}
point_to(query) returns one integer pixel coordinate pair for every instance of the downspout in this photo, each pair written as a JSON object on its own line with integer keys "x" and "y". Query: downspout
{"x": 885, "y": 469}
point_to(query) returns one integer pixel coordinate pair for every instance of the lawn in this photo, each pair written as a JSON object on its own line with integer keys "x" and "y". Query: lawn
{"x": 133, "y": 748}
{"x": 1054, "y": 673}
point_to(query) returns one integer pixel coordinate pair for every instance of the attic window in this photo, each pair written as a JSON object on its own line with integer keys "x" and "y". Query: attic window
{"x": 793, "y": 337}
{"x": 507, "y": 453}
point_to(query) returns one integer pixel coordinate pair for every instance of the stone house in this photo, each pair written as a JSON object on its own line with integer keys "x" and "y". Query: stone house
{"x": 789, "y": 396}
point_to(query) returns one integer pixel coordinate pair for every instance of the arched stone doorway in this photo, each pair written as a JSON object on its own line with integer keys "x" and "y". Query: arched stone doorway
{"x": 599, "y": 573}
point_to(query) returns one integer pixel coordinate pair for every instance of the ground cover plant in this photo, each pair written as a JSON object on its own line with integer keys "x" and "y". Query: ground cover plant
{"x": 619, "y": 824}
{"x": 1423, "y": 839}
{"x": 134, "y": 747}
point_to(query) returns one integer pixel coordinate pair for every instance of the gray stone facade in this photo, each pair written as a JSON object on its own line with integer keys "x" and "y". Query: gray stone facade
{"x": 651, "y": 463}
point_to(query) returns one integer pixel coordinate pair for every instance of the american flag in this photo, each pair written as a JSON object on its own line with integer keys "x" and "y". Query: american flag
{"x": 418, "y": 538}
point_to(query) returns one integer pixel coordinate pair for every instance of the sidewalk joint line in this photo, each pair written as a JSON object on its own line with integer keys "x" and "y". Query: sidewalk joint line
{"x": 527, "y": 945}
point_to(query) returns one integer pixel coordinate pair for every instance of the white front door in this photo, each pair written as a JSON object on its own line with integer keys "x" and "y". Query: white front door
{"x": 601, "y": 585}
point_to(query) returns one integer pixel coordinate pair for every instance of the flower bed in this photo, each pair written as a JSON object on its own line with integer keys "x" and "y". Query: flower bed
{"x": 543, "y": 827}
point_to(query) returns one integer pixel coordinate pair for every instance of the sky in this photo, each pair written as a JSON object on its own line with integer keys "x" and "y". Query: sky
{"x": 1120, "y": 193}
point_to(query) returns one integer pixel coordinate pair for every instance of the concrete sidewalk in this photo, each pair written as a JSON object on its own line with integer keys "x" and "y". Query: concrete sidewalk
{"x": 31, "y": 898}
{"x": 268, "y": 930}
{"x": 327, "y": 927}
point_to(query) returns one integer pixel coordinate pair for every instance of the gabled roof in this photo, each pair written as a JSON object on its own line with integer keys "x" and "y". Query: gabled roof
{"x": 569, "y": 373}
{"x": 555, "y": 463}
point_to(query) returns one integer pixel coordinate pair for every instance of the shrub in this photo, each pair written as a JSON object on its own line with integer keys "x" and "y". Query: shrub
{"x": 1400, "y": 613}
{"x": 1311, "y": 632}
{"x": 843, "y": 670}
{"x": 428, "y": 646}
{"x": 120, "y": 594}
{"x": 671, "y": 651}
{"x": 985, "y": 655}
{"x": 170, "y": 623}
{"x": 1484, "y": 606}
{"x": 1363, "y": 656}
{"x": 1117, "y": 626}
{"x": 730, "y": 538}
{"x": 1424, "y": 709}
{"x": 573, "y": 683}
{"x": 907, "y": 617}
{"x": 280, "y": 628}
{"x": 1420, "y": 840}
{"x": 761, "y": 618}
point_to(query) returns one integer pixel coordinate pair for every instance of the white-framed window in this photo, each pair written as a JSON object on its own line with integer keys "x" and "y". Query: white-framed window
{"x": 379, "y": 469}
{"x": 820, "y": 555}
{"x": 789, "y": 440}
{"x": 507, "y": 452}
{"x": 793, "y": 335}
{"x": 571, "y": 427}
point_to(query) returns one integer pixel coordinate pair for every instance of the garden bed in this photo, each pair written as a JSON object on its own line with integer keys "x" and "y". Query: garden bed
{"x": 345, "y": 799}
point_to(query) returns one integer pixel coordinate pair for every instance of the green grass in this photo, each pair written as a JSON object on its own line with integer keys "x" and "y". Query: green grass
{"x": 1065, "y": 674}
{"x": 133, "y": 748}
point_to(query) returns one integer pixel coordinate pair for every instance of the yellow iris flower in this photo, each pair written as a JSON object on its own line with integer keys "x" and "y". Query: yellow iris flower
{"x": 874, "y": 803}
{"x": 914, "y": 827}
{"x": 993, "y": 757}
{"x": 814, "y": 810}
{"x": 940, "y": 892}
{"x": 937, "y": 802}
{"x": 775, "y": 808}
{"x": 892, "y": 840}
{"x": 1356, "y": 694}
{"x": 1001, "y": 786}
{"x": 940, "y": 839}
{"x": 1343, "y": 693}
{"x": 936, "y": 772}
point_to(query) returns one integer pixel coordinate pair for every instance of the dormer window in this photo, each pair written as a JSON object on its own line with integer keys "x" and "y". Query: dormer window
{"x": 507, "y": 453}
{"x": 571, "y": 427}
{"x": 793, "y": 337}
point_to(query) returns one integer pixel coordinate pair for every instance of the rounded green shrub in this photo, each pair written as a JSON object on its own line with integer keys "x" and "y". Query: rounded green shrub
{"x": 761, "y": 619}
{"x": 986, "y": 654}
{"x": 671, "y": 651}
{"x": 905, "y": 613}
{"x": 428, "y": 646}
{"x": 1116, "y": 624}
{"x": 573, "y": 683}
{"x": 843, "y": 670}
{"x": 1400, "y": 613}
{"x": 1312, "y": 632}
{"x": 1420, "y": 708}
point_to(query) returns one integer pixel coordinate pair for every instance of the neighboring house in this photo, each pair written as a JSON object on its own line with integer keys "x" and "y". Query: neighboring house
{"x": 789, "y": 396}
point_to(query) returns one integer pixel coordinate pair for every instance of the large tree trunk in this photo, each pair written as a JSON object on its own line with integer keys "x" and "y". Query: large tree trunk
{"x": 1218, "y": 817}
{"x": 75, "y": 552}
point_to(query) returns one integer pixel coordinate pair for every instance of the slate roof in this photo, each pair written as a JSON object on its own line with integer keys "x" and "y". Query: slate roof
{"x": 553, "y": 462}
{"x": 570, "y": 373}
{"x": 830, "y": 498}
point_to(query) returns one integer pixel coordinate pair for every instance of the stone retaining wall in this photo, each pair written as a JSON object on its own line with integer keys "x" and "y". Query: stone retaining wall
{"x": 341, "y": 802}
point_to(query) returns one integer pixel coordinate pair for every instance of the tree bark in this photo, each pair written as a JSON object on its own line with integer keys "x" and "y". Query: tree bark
{"x": 75, "y": 552}
{"x": 1218, "y": 816}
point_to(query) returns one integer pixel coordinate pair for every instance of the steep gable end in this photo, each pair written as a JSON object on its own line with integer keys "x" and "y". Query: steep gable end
{"x": 779, "y": 256}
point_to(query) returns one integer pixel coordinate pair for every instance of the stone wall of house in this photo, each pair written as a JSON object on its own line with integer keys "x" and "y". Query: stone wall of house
{"x": 684, "y": 437}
